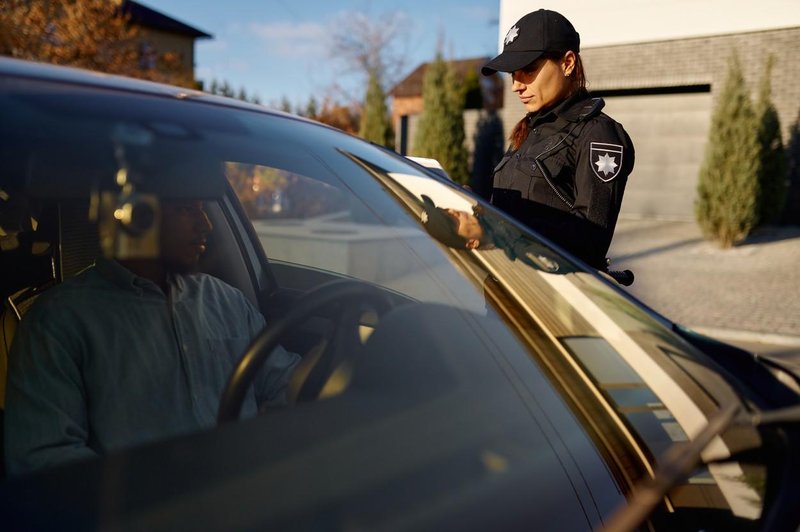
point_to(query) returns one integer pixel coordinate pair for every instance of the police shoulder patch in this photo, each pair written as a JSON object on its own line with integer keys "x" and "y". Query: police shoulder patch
{"x": 606, "y": 160}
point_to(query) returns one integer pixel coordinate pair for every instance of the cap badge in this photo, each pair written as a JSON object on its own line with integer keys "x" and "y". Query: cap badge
{"x": 511, "y": 35}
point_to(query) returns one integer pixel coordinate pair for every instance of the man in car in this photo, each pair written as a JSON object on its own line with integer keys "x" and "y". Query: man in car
{"x": 131, "y": 351}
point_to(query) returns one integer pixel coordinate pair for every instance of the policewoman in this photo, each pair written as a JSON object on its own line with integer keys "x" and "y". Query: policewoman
{"x": 565, "y": 171}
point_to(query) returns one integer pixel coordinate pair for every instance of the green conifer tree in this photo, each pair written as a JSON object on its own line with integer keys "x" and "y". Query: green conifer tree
{"x": 773, "y": 166}
{"x": 791, "y": 211}
{"x": 285, "y": 105}
{"x": 440, "y": 130}
{"x": 473, "y": 94}
{"x": 312, "y": 109}
{"x": 376, "y": 124}
{"x": 727, "y": 191}
{"x": 225, "y": 89}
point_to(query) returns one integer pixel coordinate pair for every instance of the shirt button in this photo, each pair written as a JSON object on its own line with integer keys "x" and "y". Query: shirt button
{"x": 535, "y": 131}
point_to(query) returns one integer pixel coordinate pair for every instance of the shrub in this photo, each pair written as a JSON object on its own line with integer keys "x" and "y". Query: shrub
{"x": 440, "y": 132}
{"x": 376, "y": 126}
{"x": 773, "y": 166}
{"x": 727, "y": 202}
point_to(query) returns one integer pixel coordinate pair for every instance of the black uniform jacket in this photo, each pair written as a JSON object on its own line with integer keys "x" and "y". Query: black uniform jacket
{"x": 567, "y": 178}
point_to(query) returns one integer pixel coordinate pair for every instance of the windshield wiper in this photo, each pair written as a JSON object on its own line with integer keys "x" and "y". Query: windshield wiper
{"x": 681, "y": 459}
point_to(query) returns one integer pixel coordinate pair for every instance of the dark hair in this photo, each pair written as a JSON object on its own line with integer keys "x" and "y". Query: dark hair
{"x": 577, "y": 83}
{"x": 443, "y": 226}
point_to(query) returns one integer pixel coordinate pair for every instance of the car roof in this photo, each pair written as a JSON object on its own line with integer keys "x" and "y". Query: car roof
{"x": 18, "y": 68}
{"x": 116, "y": 86}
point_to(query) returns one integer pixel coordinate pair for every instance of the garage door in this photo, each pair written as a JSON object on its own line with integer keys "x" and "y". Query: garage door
{"x": 669, "y": 132}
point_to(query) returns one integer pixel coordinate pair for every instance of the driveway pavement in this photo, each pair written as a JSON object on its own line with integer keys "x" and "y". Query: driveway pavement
{"x": 748, "y": 295}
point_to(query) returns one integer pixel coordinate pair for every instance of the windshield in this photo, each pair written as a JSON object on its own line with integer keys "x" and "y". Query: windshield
{"x": 500, "y": 353}
{"x": 638, "y": 388}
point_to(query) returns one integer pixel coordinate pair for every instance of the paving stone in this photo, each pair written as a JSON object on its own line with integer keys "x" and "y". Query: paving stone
{"x": 751, "y": 287}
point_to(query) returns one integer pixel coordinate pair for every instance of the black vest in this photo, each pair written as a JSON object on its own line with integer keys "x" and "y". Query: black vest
{"x": 551, "y": 182}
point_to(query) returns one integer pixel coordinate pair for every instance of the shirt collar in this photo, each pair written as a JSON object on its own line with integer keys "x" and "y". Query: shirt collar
{"x": 123, "y": 277}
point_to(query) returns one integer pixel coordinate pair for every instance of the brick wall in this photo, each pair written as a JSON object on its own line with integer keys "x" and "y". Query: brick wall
{"x": 704, "y": 60}
{"x": 404, "y": 106}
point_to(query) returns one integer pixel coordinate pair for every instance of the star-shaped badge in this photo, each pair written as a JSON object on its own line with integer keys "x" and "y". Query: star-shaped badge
{"x": 511, "y": 35}
{"x": 605, "y": 164}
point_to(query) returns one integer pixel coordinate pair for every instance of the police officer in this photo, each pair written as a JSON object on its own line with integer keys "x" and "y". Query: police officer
{"x": 566, "y": 168}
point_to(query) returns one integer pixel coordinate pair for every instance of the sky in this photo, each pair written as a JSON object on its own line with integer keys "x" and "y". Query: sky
{"x": 280, "y": 48}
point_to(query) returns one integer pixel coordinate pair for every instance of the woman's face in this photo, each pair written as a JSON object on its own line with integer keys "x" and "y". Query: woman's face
{"x": 544, "y": 82}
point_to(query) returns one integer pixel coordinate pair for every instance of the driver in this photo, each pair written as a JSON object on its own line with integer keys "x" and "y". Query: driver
{"x": 131, "y": 351}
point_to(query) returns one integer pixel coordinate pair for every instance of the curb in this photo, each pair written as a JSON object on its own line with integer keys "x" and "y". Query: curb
{"x": 747, "y": 336}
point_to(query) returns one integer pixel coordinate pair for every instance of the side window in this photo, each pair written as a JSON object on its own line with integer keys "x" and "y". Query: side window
{"x": 312, "y": 231}
{"x": 293, "y": 216}
{"x": 273, "y": 194}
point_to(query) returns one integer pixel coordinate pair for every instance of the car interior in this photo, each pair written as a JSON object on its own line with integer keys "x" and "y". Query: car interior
{"x": 55, "y": 240}
{"x": 52, "y": 243}
{"x": 50, "y": 227}
{"x": 61, "y": 240}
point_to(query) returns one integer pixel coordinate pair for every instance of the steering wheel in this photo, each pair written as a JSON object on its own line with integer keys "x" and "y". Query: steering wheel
{"x": 352, "y": 297}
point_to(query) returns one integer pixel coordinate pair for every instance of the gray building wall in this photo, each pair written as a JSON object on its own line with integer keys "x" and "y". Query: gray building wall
{"x": 703, "y": 60}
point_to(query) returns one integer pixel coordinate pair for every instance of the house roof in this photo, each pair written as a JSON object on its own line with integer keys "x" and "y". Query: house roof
{"x": 150, "y": 18}
{"x": 411, "y": 85}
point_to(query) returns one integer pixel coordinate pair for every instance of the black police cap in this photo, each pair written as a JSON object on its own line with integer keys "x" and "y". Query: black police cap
{"x": 533, "y": 35}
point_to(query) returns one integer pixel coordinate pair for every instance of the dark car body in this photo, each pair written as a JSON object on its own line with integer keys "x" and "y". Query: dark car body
{"x": 509, "y": 388}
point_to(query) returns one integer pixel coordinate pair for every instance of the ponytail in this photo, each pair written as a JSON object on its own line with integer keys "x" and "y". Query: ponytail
{"x": 520, "y": 133}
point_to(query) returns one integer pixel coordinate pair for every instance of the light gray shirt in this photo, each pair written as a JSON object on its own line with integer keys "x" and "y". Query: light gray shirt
{"x": 107, "y": 360}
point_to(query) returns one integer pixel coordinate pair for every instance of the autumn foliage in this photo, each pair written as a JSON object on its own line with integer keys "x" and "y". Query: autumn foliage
{"x": 338, "y": 115}
{"x": 267, "y": 192}
{"x": 91, "y": 34}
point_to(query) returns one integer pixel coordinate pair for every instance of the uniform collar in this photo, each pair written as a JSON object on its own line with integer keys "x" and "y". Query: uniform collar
{"x": 572, "y": 109}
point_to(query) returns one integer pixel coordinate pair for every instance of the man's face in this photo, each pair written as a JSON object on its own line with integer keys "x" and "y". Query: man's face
{"x": 184, "y": 231}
